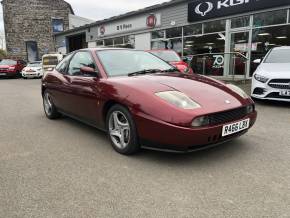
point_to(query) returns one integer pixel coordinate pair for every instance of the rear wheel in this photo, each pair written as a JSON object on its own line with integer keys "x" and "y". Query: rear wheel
{"x": 122, "y": 130}
{"x": 49, "y": 108}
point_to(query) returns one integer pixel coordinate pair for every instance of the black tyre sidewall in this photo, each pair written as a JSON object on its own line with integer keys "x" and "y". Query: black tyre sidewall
{"x": 133, "y": 146}
{"x": 54, "y": 113}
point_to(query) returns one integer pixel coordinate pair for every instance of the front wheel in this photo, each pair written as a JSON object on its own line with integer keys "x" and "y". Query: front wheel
{"x": 49, "y": 108}
{"x": 122, "y": 130}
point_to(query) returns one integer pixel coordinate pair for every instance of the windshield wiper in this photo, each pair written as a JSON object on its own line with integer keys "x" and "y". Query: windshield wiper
{"x": 151, "y": 71}
{"x": 143, "y": 72}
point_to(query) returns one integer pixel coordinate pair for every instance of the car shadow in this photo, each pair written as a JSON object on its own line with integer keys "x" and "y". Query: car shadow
{"x": 272, "y": 103}
{"x": 220, "y": 154}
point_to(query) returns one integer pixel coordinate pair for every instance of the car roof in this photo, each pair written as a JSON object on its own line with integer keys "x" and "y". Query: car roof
{"x": 281, "y": 48}
{"x": 107, "y": 48}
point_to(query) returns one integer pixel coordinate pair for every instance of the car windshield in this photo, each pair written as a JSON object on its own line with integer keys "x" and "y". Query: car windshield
{"x": 169, "y": 56}
{"x": 8, "y": 62}
{"x": 36, "y": 64}
{"x": 125, "y": 62}
{"x": 278, "y": 56}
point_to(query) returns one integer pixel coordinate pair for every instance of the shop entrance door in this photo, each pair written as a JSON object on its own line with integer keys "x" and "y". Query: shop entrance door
{"x": 240, "y": 48}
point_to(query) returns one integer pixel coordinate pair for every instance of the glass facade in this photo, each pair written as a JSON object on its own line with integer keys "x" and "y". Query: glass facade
{"x": 217, "y": 49}
{"x": 225, "y": 47}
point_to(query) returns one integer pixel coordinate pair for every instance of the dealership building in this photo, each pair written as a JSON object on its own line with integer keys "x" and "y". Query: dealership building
{"x": 219, "y": 37}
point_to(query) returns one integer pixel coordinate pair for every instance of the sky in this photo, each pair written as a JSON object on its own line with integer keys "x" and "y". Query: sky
{"x": 101, "y": 9}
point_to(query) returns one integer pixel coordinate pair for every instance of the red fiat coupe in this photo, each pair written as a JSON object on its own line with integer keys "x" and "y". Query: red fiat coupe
{"x": 142, "y": 102}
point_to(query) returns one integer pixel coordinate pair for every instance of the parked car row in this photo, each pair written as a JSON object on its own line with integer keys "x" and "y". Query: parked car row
{"x": 19, "y": 68}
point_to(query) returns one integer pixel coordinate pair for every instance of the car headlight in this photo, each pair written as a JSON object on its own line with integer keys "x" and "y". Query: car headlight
{"x": 200, "y": 121}
{"x": 178, "y": 99}
{"x": 238, "y": 90}
{"x": 260, "y": 78}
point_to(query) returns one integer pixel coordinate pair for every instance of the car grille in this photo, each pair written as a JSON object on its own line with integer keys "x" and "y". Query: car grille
{"x": 280, "y": 83}
{"x": 227, "y": 116}
{"x": 3, "y": 69}
{"x": 277, "y": 96}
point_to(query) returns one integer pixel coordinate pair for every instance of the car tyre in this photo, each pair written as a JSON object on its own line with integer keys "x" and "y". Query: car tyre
{"x": 122, "y": 131}
{"x": 49, "y": 108}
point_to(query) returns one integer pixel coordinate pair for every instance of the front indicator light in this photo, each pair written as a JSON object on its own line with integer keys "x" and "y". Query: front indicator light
{"x": 250, "y": 109}
{"x": 200, "y": 121}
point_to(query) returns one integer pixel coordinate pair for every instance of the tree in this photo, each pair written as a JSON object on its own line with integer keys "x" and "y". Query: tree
{"x": 3, "y": 54}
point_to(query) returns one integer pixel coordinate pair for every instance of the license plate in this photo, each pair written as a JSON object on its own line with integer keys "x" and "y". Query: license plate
{"x": 285, "y": 93}
{"x": 2, "y": 74}
{"x": 236, "y": 127}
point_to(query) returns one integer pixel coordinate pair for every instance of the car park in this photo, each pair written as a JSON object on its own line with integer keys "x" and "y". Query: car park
{"x": 172, "y": 58}
{"x": 271, "y": 80}
{"x": 11, "y": 68}
{"x": 32, "y": 70}
{"x": 143, "y": 102}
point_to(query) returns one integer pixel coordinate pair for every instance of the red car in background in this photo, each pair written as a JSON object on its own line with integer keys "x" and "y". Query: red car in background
{"x": 172, "y": 57}
{"x": 11, "y": 68}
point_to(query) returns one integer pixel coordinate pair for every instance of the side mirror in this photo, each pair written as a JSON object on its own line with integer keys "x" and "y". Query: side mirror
{"x": 257, "y": 61}
{"x": 88, "y": 71}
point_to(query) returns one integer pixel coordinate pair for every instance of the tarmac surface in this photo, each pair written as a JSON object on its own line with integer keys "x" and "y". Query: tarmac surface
{"x": 64, "y": 168}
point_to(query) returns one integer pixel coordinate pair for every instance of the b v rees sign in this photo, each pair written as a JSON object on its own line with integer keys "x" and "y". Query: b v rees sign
{"x": 208, "y": 9}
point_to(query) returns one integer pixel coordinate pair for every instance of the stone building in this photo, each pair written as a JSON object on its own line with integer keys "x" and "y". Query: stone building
{"x": 31, "y": 24}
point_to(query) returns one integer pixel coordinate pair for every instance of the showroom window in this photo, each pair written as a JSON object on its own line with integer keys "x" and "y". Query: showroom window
{"x": 270, "y": 18}
{"x": 174, "y": 32}
{"x": 108, "y": 42}
{"x": 118, "y": 41}
{"x": 192, "y": 30}
{"x": 265, "y": 39}
{"x": 240, "y": 22}
{"x": 214, "y": 26}
{"x": 100, "y": 43}
{"x": 158, "y": 34}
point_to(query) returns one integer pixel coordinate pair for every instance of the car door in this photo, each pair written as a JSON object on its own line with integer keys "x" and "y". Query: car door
{"x": 84, "y": 98}
{"x": 59, "y": 85}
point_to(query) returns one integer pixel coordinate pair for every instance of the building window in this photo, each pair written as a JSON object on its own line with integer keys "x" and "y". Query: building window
{"x": 118, "y": 41}
{"x": 265, "y": 39}
{"x": 57, "y": 25}
{"x": 100, "y": 43}
{"x": 174, "y": 32}
{"x": 270, "y": 18}
{"x": 192, "y": 30}
{"x": 214, "y": 26}
{"x": 240, "y": 22}
{"x": 108, "y": 42}
{"x": 158, "y": 34}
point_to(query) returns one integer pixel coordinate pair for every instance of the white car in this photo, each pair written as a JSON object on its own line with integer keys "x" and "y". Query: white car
{"x": 32, "y": 70}
{"x": 271, "y": 80}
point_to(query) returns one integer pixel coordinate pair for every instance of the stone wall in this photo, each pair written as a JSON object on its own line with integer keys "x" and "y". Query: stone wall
{"x": 31, "y": 20}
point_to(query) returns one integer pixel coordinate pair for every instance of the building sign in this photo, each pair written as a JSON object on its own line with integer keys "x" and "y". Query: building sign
{"x": 207, "y": 9}
{"x": 129, "y": 25}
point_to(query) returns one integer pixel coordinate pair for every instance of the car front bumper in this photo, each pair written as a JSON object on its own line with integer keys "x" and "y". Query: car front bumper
{"x": 158, "y": 135}
{"x": 8, "y": 74}
{"x": 264, "y": 92}
{"x": 36, "y": 74}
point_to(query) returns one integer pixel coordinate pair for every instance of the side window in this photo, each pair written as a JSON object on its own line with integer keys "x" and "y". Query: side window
{"x": 62, "y": 66}
{"x": 80, "y": 59}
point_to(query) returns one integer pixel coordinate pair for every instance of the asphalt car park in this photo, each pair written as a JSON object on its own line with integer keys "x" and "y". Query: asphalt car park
{"x": 63, "y": 168}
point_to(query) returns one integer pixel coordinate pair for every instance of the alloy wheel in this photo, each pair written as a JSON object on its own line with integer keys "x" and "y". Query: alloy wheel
{"x": 119, "y": 129}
